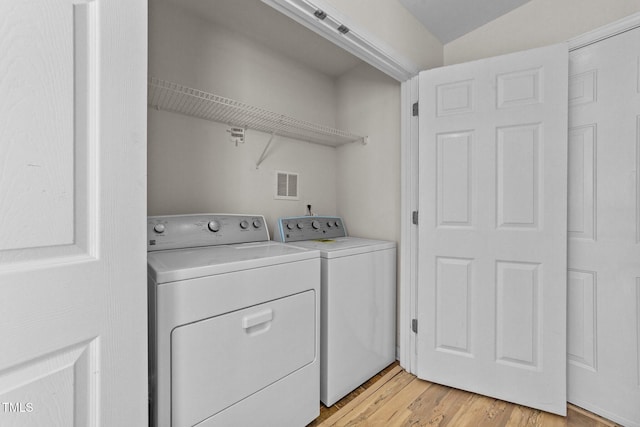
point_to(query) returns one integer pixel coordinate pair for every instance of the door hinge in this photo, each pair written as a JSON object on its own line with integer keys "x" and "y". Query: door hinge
{"x": 414, "y": 325}
{"x": 415, "y": 109}
{"x": 414, "y": 217}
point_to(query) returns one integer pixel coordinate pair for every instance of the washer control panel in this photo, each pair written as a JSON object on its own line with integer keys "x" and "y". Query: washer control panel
{"x": 295, "y": 229}
{"x": 189, "y": 231}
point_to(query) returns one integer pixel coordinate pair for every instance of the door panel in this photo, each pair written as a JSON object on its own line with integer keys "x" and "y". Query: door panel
{"x": 72, "y": 209}
{"x": 492, "y": 232}
{"x": 604, "y": 245}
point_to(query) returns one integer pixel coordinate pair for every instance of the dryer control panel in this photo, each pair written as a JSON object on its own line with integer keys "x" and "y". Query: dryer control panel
{"x": 190, "y": 231}
{"x": 295, "y": 229}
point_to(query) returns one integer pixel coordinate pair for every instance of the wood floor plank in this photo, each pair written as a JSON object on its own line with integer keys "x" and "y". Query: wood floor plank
{"x": 428, "y": 399}
{"x": 552, "y": 420}
{"x": 401, "y": 419}
{"x": 470, "y": 413}
{"x": 427, "y": 407}
{"x": 362, "y": 396}
{"x": 377, "y": 399}
{"x": 524, "y": 417}
{"x": 496, "y": 414}
{"x": 580, "y": 414}
{"x": 448, "y": 407}
{"x": 400, "y": 402}
{"x": 395, "y": 398}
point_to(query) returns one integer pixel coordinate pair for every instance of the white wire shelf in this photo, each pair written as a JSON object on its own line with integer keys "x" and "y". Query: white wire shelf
{"x": 180, "y": 99}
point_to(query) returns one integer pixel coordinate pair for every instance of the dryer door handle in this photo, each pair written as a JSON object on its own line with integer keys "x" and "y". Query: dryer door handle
{"x": 255, "y": 319}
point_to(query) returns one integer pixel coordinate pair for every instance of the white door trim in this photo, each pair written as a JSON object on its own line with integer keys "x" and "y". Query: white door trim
{"x": 342, "y": 31}
{"x": 625, "y": 24}
{"x": 408, "y": 260}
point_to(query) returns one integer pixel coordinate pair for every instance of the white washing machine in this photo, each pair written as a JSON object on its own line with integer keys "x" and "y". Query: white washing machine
{"x": 233, "y": 324}
{"x": 358, "y": 305}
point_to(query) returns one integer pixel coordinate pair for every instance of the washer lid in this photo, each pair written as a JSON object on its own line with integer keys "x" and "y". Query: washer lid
{"x": 182, "y": 264}
{"x": 344, "y": 246}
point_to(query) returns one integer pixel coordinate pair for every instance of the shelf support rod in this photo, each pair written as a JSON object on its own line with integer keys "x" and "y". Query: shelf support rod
{"x": 264, "y": 152}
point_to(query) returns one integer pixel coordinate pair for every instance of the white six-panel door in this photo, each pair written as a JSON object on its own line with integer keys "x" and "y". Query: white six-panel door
{"x": 493, "y": 227}
{"x": 604, "y": 228}
{"x": 72, "y": 213}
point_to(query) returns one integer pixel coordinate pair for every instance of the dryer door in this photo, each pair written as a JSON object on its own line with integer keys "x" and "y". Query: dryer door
{"x": 221, "y": 360}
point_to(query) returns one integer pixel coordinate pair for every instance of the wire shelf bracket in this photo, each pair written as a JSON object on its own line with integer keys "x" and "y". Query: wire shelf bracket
{"x": 264, "y": 152}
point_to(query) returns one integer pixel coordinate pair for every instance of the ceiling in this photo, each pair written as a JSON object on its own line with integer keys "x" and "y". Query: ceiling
{"x": 446, "y": 19}
{"x": 450, "y": 19}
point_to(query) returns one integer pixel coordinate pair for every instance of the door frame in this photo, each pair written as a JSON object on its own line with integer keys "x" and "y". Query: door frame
{"x": 409, "y": 199}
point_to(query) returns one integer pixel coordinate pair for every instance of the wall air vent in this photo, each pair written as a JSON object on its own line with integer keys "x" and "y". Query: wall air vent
{"x": 287, "y": 186}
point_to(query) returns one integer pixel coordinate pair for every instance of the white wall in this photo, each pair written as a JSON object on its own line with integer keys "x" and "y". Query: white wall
{"x": 369, "y": 176}
{"x": 536, "y": 24}
{"x": 368, "y": 191}
{"x": 392, "y": 24}
{"x": 192, "y": 165}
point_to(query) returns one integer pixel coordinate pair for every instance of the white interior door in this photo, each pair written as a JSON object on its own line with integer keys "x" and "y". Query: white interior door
{"x": 604, "y": 228}
{"x": 493, "y": 227}
{"x": 72, "y": 213}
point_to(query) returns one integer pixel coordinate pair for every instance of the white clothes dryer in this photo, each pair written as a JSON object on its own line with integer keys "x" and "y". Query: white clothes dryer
{"x": 233, "y": 324}
{"x": 358, "y": 301}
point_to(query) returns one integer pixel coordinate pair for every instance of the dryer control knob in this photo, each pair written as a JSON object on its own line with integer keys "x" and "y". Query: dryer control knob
{"x": 256, "y": 223}
{"x": 244, "y": 224}
{"x": 159, "y": 228}
{"x": 214, "y": 226}
{"x": 315, "y": 224}
{"x": 300, "y": 225}
{"x": 329, "y": 224}
{"x": 336, "y": 223}
{"x": 289, "y": 226}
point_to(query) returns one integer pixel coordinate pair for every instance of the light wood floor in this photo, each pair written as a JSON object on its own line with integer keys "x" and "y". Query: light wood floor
{"x": 395, "y": 398}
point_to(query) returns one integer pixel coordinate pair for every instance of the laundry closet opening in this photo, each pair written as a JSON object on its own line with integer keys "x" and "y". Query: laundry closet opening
{"x": 250, "y": 53}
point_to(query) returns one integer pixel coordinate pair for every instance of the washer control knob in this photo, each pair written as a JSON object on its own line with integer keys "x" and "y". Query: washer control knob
{"x": 289, "y": 226}
{"x": 244, "y": 224}
{"x": 300, "y": 226}
{"x": 159, "y": 228}
{"x": 329, "y": 224}
{"x": 315, "y": 224}
{"x": 214, "y": 226}
{"x": 256, "y": 223}
{"x": 336, "y": 223}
